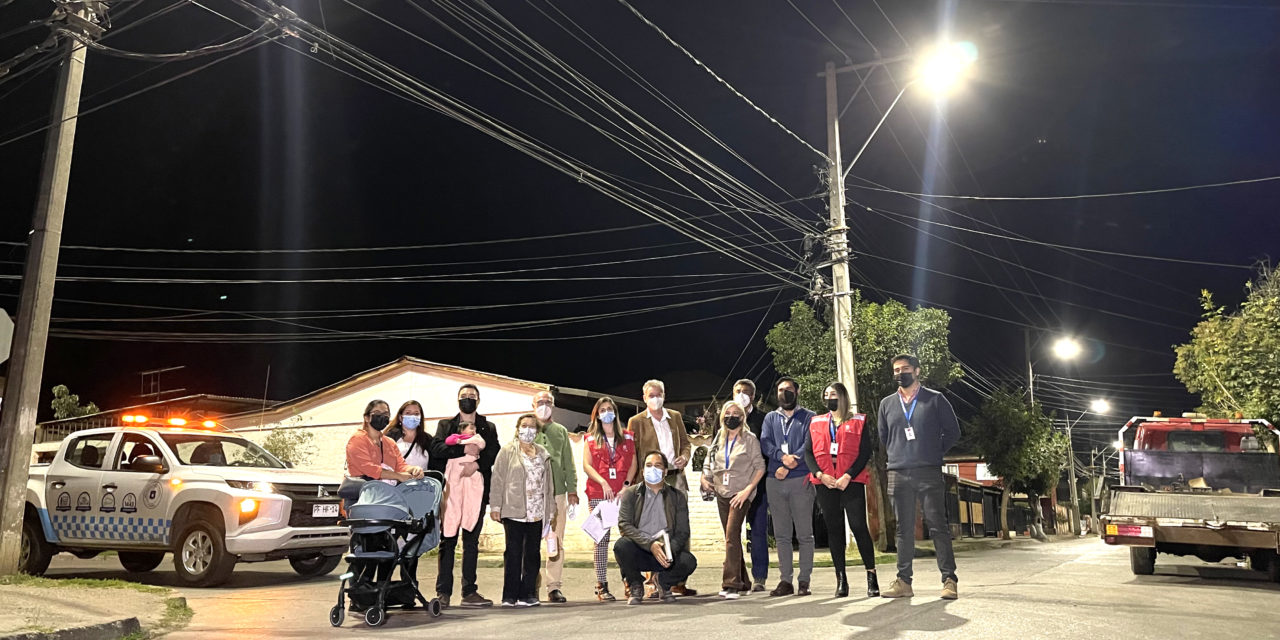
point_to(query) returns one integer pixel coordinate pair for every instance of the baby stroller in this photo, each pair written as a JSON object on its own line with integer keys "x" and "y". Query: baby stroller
{"x": 390, "y": 527}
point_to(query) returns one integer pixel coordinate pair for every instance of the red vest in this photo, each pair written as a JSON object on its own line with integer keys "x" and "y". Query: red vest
{"x": 624, "y": 457}
{"x": 848, "y": 437}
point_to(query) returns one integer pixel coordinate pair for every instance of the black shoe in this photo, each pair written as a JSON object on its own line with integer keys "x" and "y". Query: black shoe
{"x": 555, "y": 596}
{"x": 842, "y": 584}
{"x": 635, "y": 593}
{"x": 666, "y": 596}
{"x": 784, "y": 588}
{"x": 873, "y": 585}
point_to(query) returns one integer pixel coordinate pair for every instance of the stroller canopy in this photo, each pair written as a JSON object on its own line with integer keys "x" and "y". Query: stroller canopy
{"x": 380, "y": 501}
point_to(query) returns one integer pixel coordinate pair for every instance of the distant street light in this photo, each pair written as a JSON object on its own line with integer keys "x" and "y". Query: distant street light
{"x": 1100, "y": 406}
{"x": 942, "y": 69}
{"x": 1118, "y": 444}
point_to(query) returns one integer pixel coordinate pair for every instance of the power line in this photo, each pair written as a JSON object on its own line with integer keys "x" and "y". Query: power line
{"x": 1082, "y": 196}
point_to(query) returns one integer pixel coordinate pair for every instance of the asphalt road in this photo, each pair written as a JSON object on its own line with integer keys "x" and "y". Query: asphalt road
{"x": 1072, "y": 589}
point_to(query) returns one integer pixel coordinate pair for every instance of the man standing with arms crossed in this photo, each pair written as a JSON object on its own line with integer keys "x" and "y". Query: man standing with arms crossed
{"x": 917, "y": 426}
{"x": 553, "y": 437}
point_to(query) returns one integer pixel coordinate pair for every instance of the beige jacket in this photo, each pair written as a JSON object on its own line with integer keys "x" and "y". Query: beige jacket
{"x": 506, "y": 490}
{"x": 744, "y": 462}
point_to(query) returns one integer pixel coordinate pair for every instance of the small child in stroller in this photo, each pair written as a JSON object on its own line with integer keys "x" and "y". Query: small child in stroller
{"x": 390, "y": 527}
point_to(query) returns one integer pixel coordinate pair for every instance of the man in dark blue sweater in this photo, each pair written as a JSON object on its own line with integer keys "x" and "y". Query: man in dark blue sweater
{"x": 917, "y": 426}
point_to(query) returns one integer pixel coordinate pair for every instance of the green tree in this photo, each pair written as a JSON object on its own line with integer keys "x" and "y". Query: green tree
{"x": 804, "y": 348}
{"x": 1019, "y": 444}
{"x": 67, "y": 405}
{"x": 293, "y": 445}
{"x": 1231, "y": 359}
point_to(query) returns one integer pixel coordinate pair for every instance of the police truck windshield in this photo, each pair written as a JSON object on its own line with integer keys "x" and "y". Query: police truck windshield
{"x": 219, "y": 451}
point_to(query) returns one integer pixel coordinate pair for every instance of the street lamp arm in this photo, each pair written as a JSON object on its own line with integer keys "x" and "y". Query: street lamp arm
{"x": 877, "y": 129}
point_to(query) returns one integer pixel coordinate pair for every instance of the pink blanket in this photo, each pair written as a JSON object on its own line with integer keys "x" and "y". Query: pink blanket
{"x": 464, "y": 488}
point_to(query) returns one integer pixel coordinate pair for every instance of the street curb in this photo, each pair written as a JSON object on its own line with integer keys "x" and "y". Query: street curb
{"x": 102, "y": 631}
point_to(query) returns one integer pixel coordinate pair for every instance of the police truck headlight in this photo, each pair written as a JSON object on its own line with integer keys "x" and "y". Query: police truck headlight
{"x": 248, "y": 510}
{"x": 251, "y": 485}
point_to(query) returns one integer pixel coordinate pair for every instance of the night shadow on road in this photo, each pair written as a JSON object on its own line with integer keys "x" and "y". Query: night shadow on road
{"x": 1208, "y": 576}
{"x": 892, "y": 620}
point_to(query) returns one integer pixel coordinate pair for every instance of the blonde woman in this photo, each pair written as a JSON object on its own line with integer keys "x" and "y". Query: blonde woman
{"x": 733, "y": 471}
{"x": 521, "y": 497}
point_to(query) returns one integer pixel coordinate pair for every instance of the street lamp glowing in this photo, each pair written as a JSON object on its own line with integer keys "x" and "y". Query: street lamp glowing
{"x": 1100, "y": 406}
{"x": 1118, "y": 444}
{"x": 1066, "y": 348}
{"x": 943, "y": 68}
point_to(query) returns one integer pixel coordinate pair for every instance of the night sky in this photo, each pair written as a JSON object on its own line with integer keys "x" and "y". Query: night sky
{"x": 273, "y": 150}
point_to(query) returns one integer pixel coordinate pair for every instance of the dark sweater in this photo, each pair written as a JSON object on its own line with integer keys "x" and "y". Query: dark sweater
{"x": 935, "y": 425}
{"x": 441, "y": 453}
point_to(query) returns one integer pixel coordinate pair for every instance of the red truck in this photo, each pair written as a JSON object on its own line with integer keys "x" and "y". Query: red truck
{"x": 1196, "y": 486}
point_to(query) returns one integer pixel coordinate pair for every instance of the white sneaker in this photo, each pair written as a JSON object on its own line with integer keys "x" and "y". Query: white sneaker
{"x": 730, "y": 595}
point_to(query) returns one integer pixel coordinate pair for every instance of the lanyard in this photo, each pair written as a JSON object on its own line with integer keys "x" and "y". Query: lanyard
{"x": 728, "y": 446}
{"x": 786, "y": 425}
{"x": 613, "y": 451}
{"x": 909, "y": 412}
{"x": 831, "y": 422}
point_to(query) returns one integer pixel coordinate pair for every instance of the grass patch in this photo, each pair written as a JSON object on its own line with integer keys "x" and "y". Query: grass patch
{"x": 23, "y": 580}
{"x": 176, "y": 615}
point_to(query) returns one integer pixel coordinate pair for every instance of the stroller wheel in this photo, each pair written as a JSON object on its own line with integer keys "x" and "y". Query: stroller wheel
{"x": 336, "y": 616}
{"x": 375, "y": 616}
{"x": 434, "y": 608}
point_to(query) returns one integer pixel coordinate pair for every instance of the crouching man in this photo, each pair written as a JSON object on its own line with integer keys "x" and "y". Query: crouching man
{"x": 647, "y": 511}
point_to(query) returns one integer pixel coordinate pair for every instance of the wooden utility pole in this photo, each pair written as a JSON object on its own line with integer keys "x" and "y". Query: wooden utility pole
{"x": 31, "y": 333}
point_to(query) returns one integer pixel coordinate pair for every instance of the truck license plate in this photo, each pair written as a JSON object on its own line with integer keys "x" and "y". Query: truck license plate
{"x": 324, "y": 510}
{"x": 1129, "y": 531}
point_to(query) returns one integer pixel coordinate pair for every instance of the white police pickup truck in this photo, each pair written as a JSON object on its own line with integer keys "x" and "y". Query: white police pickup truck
{"x": 210, "y": 498}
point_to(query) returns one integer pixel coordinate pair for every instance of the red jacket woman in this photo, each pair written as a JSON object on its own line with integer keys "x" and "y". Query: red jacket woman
{"x": 838, "y": 449}
{"x": 608, "y": 460}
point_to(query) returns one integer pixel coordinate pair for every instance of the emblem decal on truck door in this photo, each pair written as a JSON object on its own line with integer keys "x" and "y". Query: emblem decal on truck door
{"x": 151, "y": 494}
{"x": 83, "y": 503}
{"x": 64, "y": 502}
{"x": 108, "y": 503}
{"x": 129, "y": 504}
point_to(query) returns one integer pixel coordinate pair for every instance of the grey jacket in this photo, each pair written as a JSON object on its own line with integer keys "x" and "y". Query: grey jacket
{"x": 674, "y": 502}
{"x": 933, "y": 421}
{"x": 507, "y": 492}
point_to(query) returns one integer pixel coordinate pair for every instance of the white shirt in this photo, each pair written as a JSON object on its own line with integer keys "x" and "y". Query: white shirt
{"x": 417, "y": 458}
{"x": 663, "y": 429}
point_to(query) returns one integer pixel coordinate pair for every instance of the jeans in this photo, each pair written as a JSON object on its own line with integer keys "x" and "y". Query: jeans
{"x": 907, "y": 487}
{"x": 735, "y": 576}
{"x": 521, "y": 559}
{"x": 758, "y": 534}
{"x": 470, "y": 554}
{"x": 632, "y": 559}
{"x": 852, "y": 504}
{"x": 792, "y": 507}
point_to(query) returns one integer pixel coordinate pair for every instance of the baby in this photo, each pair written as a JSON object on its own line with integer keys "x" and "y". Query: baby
{"x": 464, "y": 488}
{"x": 471, "y": 445}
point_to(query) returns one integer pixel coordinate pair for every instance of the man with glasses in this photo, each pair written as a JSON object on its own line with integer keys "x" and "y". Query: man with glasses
{"x": 468, "y": 401}
{"x": 553, "y": 437}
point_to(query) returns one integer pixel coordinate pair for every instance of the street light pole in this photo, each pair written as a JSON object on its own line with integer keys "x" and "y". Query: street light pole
{"x": 31, "y": 333}
{"x": 837, "y": 235}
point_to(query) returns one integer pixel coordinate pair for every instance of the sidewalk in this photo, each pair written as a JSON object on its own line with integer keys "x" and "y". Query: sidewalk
{"x": 80, "y": 609}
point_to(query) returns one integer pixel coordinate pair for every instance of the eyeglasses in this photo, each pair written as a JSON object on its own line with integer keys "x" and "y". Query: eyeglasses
{"x": 544, "y": 403}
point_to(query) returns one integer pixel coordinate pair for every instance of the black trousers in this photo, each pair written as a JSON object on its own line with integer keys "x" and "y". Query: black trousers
{"x": 852, "y": 504}
{"x": 470, "y": 555}
{"x": 521, "y": 560}
{"x": 632, "y": 559}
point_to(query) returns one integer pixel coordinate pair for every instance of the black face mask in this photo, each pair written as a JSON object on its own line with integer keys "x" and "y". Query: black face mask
{"x": 467, "y": 405}
{"x": 833, "y": 404}
{"x": 905, "y": 379}
{"x": 787, "y": 399}
{"x": 379, "y": 421}
{"x": 732, "y": 422}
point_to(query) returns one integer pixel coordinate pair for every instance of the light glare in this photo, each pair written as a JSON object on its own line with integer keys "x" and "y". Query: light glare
{"x": 1100, "y": 406}
{"x": 1066, "y": 348}
{"x": 943, "y": 68}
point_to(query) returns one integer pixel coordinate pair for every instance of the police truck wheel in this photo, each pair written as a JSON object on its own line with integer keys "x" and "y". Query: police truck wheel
{"x": 199, "y": 556}
{"x": 36, "y": 552}
{"x": 314, "y": 566}
{"x": 140, "y": 561}
{"x": 1142, "y": 560}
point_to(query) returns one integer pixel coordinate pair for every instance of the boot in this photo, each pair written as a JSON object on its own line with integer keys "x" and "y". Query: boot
{"x": 873, "y": 585}
{"x": 842, "y": 584}
{"x": 602, "y": 592}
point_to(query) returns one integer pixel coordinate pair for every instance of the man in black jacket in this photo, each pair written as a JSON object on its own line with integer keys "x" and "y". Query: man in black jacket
{"x": 441, "y": 453}
{"x": 647, "y": 511}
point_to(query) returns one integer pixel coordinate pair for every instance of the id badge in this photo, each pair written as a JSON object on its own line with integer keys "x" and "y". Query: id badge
{"x": 613, "y": 474}
{"x": 786, "y": 448}
{"x": 835, "y": 448}
{"x": 911, "y": 433}
{"x": 725, "y": 480}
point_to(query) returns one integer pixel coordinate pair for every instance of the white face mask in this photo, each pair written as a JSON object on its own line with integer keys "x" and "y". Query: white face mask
{"x": 743, "y": 401}
{"x": 543, "y": 412}
{"x": 655, "y": 404}
{"x": 527, "y": 434}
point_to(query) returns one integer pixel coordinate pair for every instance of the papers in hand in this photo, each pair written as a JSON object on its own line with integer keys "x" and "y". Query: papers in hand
{"x": 666, "y": 544}
{"x": 604, "y": 516}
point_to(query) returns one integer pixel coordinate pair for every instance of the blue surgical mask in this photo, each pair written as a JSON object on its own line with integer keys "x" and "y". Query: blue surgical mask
{"x": 410, "y": 422}
{"x": 654, "y": 475}
{"x": 606, "y": 417}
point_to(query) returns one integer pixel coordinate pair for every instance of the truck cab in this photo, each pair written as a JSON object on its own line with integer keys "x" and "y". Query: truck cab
{"x": 211, "y": 498}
